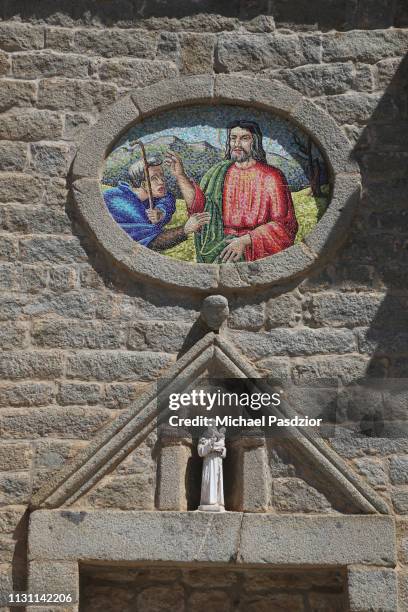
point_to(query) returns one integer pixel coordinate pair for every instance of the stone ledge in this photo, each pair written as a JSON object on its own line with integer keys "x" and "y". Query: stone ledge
{"x": 182, "y": 537}
{"x": 310, "y": 540}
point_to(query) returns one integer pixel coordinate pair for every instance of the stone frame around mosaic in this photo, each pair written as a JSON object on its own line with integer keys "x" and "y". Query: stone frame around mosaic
{"x": 272, "y": 96}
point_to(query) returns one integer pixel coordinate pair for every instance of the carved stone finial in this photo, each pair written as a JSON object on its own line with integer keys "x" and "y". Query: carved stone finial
{"x": 215, "y": 311}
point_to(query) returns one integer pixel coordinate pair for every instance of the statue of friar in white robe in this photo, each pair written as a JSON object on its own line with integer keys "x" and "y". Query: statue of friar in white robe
{"x": 211, "y": 447}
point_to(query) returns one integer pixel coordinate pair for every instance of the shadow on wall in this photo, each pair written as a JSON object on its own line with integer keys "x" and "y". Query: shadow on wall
{"x": 319, "y": 14}
{"x": 20, "y": 560}
{"x": 375, "y": 257}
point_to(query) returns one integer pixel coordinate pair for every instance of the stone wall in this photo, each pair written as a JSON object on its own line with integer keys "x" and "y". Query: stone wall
{"x": 208, "y": 590}
{"x": 80, "y": 338}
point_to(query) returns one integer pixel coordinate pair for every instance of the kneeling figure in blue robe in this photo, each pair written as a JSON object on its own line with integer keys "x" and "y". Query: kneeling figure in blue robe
{"x": 128, "y": 203}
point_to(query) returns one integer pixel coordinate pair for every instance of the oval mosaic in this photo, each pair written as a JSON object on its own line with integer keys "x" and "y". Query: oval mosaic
{"x": 216, "y": 184}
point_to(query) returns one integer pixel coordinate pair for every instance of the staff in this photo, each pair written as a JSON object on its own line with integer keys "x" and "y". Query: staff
{"x": 146, "y": 169}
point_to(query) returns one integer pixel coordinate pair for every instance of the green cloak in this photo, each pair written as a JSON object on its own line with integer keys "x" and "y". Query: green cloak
{"x": 211, "y": 240}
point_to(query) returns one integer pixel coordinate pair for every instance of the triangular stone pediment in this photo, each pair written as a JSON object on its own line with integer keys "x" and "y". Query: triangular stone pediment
{"x": 128, "y": 431}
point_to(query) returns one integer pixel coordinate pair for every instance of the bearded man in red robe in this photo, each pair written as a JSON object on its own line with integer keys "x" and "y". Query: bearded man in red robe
{"x": 249, "y": 202}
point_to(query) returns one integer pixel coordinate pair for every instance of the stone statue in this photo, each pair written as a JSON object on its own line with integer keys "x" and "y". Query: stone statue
{"x": 211, "y": 447}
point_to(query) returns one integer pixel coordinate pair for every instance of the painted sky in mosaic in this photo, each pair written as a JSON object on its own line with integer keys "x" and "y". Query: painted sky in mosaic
{"x": 287, "y": 148}
{"x": 208, "y": 123}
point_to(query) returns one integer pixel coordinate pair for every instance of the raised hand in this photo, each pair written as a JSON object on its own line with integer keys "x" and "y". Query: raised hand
{"x": 173, "y": 161}
{"x": 154, "y": 215}
{"x": 196, "y": 222}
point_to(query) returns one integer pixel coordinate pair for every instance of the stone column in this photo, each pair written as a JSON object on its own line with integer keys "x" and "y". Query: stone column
{"x": 246, "y": 475}
{"x": 372, "y": 588}
{"x": 58, "y": 578}
{"x": 172, "y": 478}
{"x": 255, "y": 497}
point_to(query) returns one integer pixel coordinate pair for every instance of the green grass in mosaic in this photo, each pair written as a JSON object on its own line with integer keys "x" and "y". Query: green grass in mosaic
{"x": 185, "y": 250}
{"x": 308, "y": 209}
